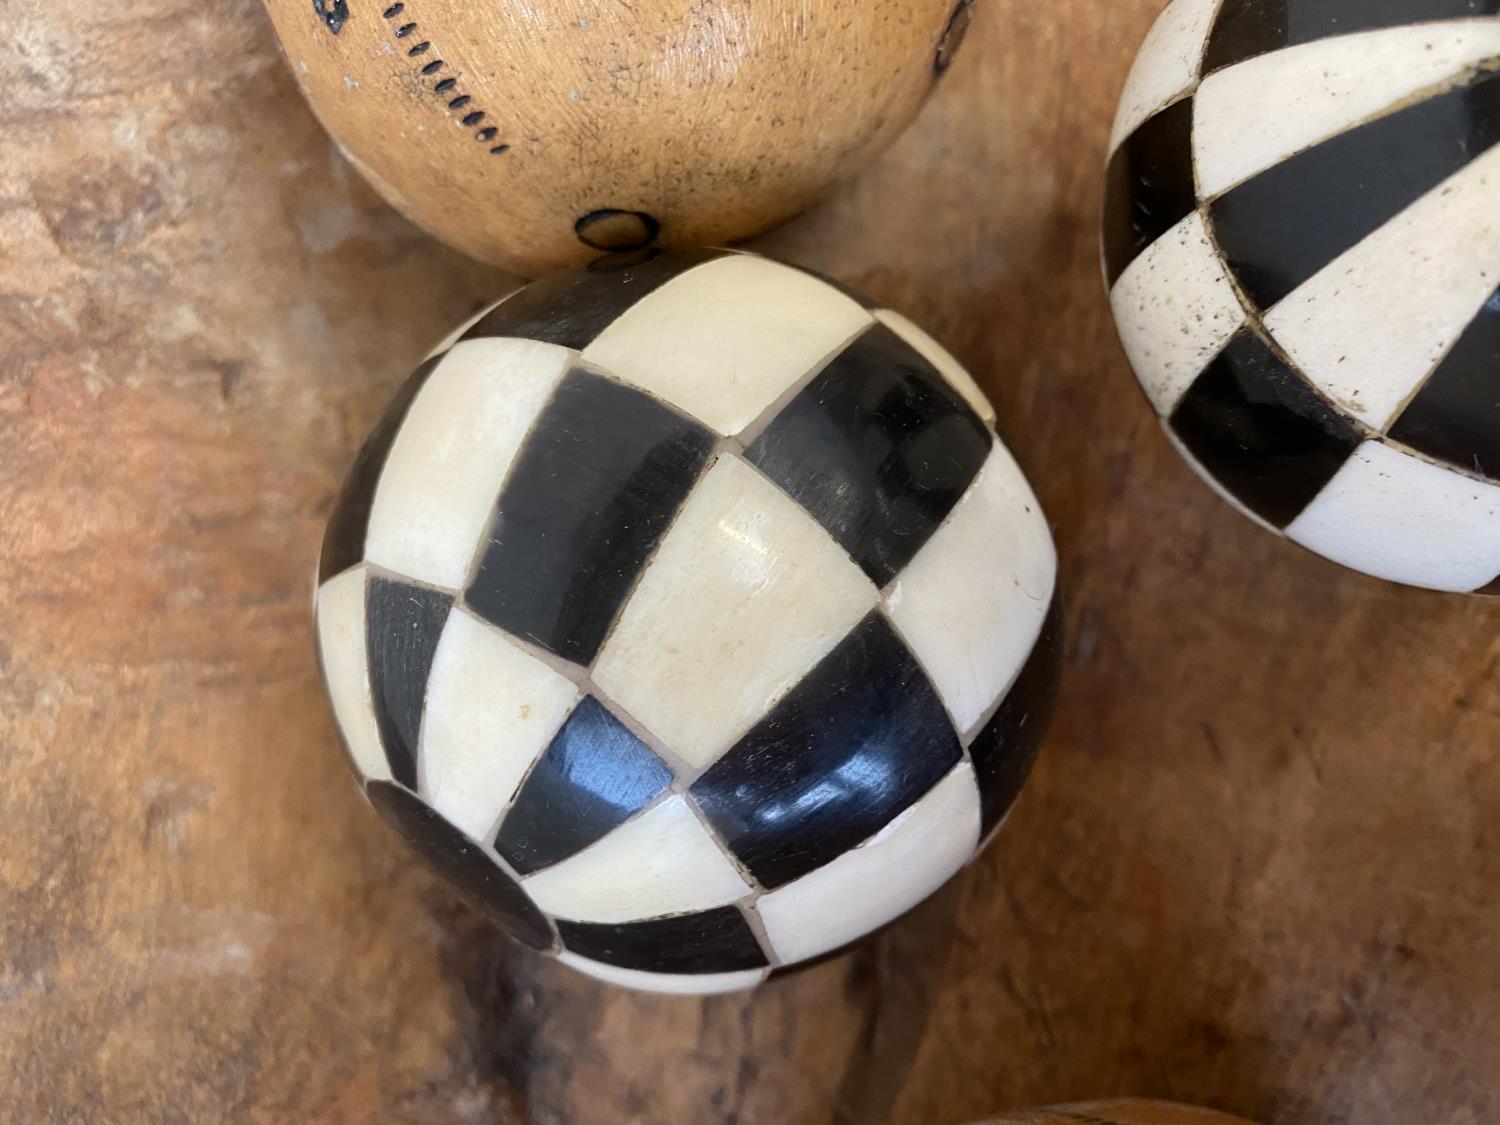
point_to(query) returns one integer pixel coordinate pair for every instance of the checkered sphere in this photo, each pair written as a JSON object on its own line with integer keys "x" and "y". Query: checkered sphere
{"x": 686, "y": 612}
{"x": 1302, "y": 244}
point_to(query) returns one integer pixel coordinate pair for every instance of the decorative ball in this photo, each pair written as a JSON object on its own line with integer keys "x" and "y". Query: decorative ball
{"x": 689, "y": 615}
{"x": 1302, "y": 243}
{"x": 536, "y": 135}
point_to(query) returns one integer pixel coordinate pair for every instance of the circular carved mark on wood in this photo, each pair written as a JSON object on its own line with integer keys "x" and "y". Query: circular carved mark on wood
{"x": 612, "y": 229}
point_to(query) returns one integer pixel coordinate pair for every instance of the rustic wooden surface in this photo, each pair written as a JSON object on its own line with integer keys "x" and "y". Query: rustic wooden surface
{"x": 1258, "y": 867}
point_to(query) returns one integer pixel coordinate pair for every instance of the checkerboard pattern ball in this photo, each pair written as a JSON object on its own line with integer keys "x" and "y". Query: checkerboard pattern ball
{"x": 1302, "y": 243}
{"x": 688, "y": 613}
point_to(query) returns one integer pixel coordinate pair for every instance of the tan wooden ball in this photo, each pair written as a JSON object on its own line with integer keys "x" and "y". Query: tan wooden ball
{"x": 536, "y": 133}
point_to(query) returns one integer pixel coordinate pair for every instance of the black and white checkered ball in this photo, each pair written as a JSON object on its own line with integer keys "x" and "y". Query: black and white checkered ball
{"x": 1302, "y": 243}
{"x": 689, "y": 615}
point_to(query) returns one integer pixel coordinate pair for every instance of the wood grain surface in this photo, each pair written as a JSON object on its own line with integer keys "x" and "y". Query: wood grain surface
{"x": 1258, "y": 867}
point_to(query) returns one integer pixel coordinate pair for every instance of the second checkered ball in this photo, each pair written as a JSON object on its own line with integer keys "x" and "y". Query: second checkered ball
{"x": 1302, "y": 245}
{"x": 687, "y": 613}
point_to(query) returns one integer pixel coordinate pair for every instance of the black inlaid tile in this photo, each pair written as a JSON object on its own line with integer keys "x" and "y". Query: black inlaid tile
{"x": 1247, "y": 28}
{"x": 402, "y": 627}
{"x": 1148, "y": 186}
{"x": 711, "y": 941}
{"x": 1284, "y": 225}
{"x": 1006, "y": 747}
{"x": 1455, "y": 417}
{"x": 461, "y": 861}
{"x": 593, "y": 778}
{"x": 344, "y": 540}
{"x": 857, "y": 741}
{"x": 594, "y": 489}
{"x": 571, "y": 308}
{"x": 878, "y": 448}
{"x": 1261, "y": 431}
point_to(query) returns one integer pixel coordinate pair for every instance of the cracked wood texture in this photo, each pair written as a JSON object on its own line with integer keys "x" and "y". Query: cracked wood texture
{"x": 1257, "y": 867}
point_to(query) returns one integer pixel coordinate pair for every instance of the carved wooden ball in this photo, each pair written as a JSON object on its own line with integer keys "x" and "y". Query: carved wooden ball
{"x": 536, "y": 135}
{"x": 687, "y": 612}
{"x": 1302, "y": 244}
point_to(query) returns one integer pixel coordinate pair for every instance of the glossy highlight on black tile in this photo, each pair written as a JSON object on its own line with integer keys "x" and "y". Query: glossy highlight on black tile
{"x": 857, "y": 741}
{"x": 571, "y": 308}
{"x": 878, "y": 448}
{"x": 710, "y": 941}
{"x": 1148, "y": 187}
{"x": 594, "y": 776}
{"x": 472, "y": 871}
{"x": 1006, "y": 747}
{"x": 1247, "y": 28}
{"x": 1261, "y": 431}
{"x": 402, "y": 627}
{"x": 594, "y": 489}
{"x": 1281, "y": 227}
{"x": 344, "y": 540}
{"x": 1455, "y": 417}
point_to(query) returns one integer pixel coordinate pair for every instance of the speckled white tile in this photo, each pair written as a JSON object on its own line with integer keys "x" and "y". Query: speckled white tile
{"x": 444, "y": 470}
{"x": 939, "y": 356}
{"x": 491, "y": 711}
{"x": 725, "y": 339}
{"x": 662, "y": 862}
{"x": 856, "y": 892}
{"x": 705, "y": 984}
{"x": 972, "y": 602}
{"x": 746, "y": 593}
{"x": 1394, "y": 516}
{"x": 1256, "y": 114}
{"x": 341, "y": 644}
{"x": 1175, "y": 309}
{"x": 1370, "y": 326}
{"x": 1166, "y": 66}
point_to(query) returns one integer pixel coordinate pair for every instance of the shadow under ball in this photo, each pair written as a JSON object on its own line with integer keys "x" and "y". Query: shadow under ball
{"x": 689, "y": 615}
{"x": 533, "y": 135}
